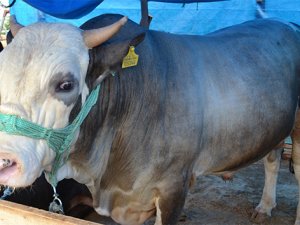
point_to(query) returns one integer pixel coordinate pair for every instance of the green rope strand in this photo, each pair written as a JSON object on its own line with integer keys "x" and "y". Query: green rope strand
{"x": 59, "y": 140}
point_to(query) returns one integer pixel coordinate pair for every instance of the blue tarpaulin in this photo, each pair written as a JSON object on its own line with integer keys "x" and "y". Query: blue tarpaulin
{"x": 70, "y": 9}
{"x": 185, "y": 1}
{"x": 193, "y": 18}
{"x": 67, "y": 9}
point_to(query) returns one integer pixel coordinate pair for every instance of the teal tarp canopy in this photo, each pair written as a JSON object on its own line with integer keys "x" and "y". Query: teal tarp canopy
{"x": 193, "y": 18}
{"x": 67, "y": 9}
{"x": 70, "y": 9}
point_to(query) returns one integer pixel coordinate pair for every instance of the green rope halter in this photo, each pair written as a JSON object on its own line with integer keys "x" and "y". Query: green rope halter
{"x": 59, "y": 140}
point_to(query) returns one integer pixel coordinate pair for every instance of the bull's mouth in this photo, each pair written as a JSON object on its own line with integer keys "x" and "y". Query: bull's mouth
{"x": 8, "y": 168}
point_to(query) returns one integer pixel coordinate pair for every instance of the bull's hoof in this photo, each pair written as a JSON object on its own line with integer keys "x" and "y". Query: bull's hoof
{"x": 259, "y": 218}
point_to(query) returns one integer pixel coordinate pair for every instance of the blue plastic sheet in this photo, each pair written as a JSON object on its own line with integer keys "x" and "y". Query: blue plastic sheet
{"x": 286, "y": 9}
{"x": 193, "y": 18}
{"x": 70, "y": 9}
{"x": 65, "y": 9}
{"x": 185, "y": 1}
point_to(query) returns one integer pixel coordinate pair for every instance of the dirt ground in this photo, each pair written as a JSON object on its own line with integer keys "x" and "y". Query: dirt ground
{"x": 215, "y": 202}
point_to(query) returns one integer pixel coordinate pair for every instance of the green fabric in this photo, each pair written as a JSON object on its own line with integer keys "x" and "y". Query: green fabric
{"x": 59, "y": 140}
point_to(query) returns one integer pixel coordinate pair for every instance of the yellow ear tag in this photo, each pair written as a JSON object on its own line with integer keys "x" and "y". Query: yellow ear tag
{"x": 131, "y": 59}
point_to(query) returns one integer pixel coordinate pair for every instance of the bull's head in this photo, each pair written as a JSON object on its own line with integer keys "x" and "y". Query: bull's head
{"x": 42, "y": 75}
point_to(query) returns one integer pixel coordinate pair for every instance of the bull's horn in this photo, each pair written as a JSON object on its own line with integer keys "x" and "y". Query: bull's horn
{"x": 95, "y": 37}
{"x": 14, "y": 25}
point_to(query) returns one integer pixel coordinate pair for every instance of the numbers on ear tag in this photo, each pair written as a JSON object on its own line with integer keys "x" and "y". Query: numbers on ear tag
{"x": 131, "y": 59}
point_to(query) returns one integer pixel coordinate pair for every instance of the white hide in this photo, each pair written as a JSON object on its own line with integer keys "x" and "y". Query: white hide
{"x": 28, "y": 65}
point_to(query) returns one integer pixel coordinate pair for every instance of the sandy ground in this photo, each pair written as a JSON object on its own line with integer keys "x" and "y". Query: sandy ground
{"x": 215, "y": 202}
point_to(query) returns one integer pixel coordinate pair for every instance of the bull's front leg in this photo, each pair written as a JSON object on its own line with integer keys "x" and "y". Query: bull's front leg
{"x": 296, "y": 157}
{"x": 268, "y": 199}
{"x": 170, "y": 200}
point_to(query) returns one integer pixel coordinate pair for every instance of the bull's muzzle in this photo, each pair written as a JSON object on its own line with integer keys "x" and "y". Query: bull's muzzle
{"x": 59, "y": 140}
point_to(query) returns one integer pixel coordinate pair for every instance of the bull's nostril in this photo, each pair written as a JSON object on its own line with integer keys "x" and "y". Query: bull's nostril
{"x": 5, "y": 163}
{"x": 8, "y": 168}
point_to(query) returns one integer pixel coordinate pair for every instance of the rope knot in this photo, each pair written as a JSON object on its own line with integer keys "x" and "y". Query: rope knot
{"x": 8, "y": 124}
{"x": 47, "y": 133}
{"x": 2, "y": 125}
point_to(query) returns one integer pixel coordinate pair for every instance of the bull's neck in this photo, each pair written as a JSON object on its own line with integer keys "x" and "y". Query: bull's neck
{"x": 122, "y": 98}
{"x": 116, "y": 98}
{"x": 91, "y": 125}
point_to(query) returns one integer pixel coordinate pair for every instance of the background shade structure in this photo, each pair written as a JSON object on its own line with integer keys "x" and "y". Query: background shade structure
{"x": 182, "y": 18}
{"x": 70, "y": 9}
{"x": 66, "y": 9}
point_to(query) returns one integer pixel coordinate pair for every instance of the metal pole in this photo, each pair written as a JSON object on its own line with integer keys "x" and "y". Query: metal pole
{"x": 260, "y": 10}
{"x": 145, "y": 14}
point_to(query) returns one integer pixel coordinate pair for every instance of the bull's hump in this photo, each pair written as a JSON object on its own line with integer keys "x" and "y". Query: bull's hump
{"x": 129, "y": 30}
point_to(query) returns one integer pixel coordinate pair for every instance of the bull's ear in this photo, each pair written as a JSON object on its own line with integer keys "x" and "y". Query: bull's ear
{"x": 109, "y": 56}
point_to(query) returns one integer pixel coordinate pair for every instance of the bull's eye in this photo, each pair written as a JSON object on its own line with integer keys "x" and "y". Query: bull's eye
{"x": 65, "y": 86}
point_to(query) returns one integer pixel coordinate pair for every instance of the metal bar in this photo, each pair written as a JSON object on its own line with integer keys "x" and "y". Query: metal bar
{"x": 145, "y": 22}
